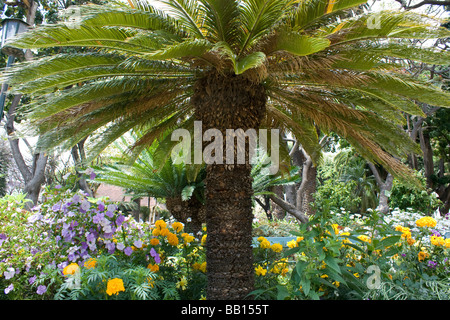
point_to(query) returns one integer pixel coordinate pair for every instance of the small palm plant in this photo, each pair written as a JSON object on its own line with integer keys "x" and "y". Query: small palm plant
{"x": 300, "y": 66}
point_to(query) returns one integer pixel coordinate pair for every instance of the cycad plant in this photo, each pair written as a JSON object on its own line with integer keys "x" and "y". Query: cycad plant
{"x": 301, "y": 66}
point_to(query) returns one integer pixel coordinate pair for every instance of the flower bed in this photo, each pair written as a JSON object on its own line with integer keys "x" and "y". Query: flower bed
{"x": 74, "y": 247}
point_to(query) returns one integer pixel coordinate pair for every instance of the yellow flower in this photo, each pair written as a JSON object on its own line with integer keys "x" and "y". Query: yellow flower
{"x": 164, "y": 232}
{"x": 447, "y": 243}
{"x": 300, "y": 239}
{"x": 426, "y": 222}
{"x": 114, "y": 286}
{"x": 437, "y": 241}
{"x": 203, "y": 267}
{"x": 91, "y": 263}
{"x": 187, "y": 237}
{"x": 153, "y": 267}
{"x": 276, "y": 247}
{"x": 261, "y": 239}
{"x": 172, "y": 239}
{"x": 154, "y": 242}
{"x": 265, "y": 244}
{"x": 177, "y": 226}
{"x": 411, "y": 241}
{"x": 182, "y": 283}
{"x": 422, "y": 255}
{"x": 71, "y": 269}
{"x": 156, "y": 232}
{"x": 292, "y": 244}
{"x": 260, "y": 271}
{"x": 364, "y": 238}
{"x": 335, "y": 228}
{"x": 160, "y": 224}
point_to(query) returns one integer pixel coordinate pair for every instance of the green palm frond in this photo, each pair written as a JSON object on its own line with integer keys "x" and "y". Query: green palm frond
{"x": 189, "y": 13}
{"x": 310, "y": 11}
{"x": 220, "y": 20}
{"x": 258, "y": 18}
{"x": 321, "y": 68}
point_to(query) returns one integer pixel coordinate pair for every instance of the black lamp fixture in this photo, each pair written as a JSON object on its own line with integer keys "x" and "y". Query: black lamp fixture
{"x": 10, "y": 29}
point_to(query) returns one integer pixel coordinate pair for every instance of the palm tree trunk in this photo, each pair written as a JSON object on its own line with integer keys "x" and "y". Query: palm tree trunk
{"x": 229, "y": 102}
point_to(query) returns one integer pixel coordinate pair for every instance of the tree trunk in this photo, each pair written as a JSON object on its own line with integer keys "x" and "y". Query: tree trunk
{"x": 385, "y": 188}
{"x": 183, "y": 210}
{"x": 229, "y": 102}
{"x": 277, "y": 211}
{"x": 308, "y": 186}
{"x": 33, "y": 177}
{"x": 428, "y": 163}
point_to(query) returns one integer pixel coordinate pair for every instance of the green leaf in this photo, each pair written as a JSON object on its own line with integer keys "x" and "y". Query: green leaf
{"x": 332, "y": 262}
{"x": 250, "y": 61}
{"x": 301, "y": 265}
{"x": 282, "y": 292}
{"x": 306, "y": 285}
{"x": 313, "y": 11}
{"x": 387, "y": 242}
{"x": 299, "y": 44}
{"x": 187, "y": 192}
{"x": 187, "y": 48}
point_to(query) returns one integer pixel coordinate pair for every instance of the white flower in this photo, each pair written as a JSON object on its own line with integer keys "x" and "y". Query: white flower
{"x": 9, "y": 273}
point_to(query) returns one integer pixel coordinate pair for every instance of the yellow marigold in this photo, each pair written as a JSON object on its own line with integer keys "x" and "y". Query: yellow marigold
{"x": 71, "y": 269}
{"x": 164, "y": 232}
{"x": 406, "y": 234}
{"x": 426, "y": 222}
{"x": 437, "y": 241}
{"x": 161, "y": 224}
{"x": 411, "y": 241}
{"x": 114, "y": 286}
{"x": 265, "y": 244}
{"x": 153, "y": 267}
{"x": 177, "y": 226}
{"x": 156, "y": 232}
{"x": 172, "y": 239}
{"x": 260, "y": 271}
{"x": 187, "y": 237}
{"x": 422, "y": 255}
{"x": 364, "y": 238}
{"x": 204, "y": 240}
{"x": 335, "y": 227}
{"x": 447, "y": 243}
{"x": 203, "y": 267}
{"x": 154, "y": 242}
{"x": 292, "y": 244}
{"x": 276, "y": 247}
{"x": 91, "y": 263}
{"x": 300, "y": 239}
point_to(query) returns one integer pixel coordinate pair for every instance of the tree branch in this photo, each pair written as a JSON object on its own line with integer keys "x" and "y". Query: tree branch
{"x": 289, "y": 208}
{"x": 425, "y": 2}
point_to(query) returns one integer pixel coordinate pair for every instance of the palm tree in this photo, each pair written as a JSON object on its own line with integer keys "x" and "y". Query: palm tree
{"x": 301, "y": 66}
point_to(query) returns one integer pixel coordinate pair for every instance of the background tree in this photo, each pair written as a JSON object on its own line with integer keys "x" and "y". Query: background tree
{"x": 246, "y": 64}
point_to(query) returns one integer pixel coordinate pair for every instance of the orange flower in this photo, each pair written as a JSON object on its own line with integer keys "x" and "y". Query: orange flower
{"x": 153, "y": 267}
{"x": 114, "y": 286}
{"x": 423, "y": 255}
{"x": 71, "y": 269}
{"x": 91, "y": 263}
{"x": 154, "y": 242}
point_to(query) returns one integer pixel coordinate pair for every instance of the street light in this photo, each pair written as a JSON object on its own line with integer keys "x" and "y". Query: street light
{"x": 10, "y": 28}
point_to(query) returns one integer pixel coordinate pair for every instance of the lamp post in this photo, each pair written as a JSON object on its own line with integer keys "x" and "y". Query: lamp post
{"x": 10, "y": 28}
